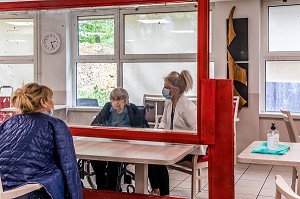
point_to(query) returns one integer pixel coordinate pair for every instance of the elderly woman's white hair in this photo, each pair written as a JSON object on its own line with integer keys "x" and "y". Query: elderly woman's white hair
{"x": 119, "y": 93}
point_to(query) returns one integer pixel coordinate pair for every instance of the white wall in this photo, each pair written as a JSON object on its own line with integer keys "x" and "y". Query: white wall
{"x": 53, "y": 67}
{"x": 248, "y": 127}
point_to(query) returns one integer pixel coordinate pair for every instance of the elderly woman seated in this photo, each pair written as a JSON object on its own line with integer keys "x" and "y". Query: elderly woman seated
{"x": 116, "y": 113}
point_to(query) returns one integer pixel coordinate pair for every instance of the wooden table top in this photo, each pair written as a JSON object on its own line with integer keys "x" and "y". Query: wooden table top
{"x": 143, "y": 152}
{"x": 291, "y": 158}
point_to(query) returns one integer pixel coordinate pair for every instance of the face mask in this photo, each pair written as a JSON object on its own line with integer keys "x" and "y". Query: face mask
{"x": 166, "y": 93}
{"x": 50, "y": 113}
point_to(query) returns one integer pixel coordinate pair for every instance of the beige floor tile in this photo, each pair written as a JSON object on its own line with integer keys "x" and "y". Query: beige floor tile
{"x": 241, "y": 165}
{"x": 178, "y": 176}
{"x": 186, "y": 193}
{"x": 244, "y": 196}
{"x": 202, "y": 195}
{"x": 263, "y": 197}
{"x": 253, "y": 177}
{"x": 267, "y": 192}
{"x": 239, "y": 170}
{"x": 249, "y": 183}
{"x": 247, "y": 190}
{"x": 260, "y": 166}
{"x": 174, "y": 183}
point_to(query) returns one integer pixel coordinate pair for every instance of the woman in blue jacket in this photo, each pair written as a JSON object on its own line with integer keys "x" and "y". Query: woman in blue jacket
{"x": 38, "y": 148}
{"x": 116, "y": 113}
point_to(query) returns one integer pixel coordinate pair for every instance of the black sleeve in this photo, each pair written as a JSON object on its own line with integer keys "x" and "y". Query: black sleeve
{"x": 101, "y": 118}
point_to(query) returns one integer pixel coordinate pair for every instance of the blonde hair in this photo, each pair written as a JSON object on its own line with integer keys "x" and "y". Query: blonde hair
{"x": 119, "y": 92}
{"x": 27, "y": 99}
{"x": 183, "y": 80}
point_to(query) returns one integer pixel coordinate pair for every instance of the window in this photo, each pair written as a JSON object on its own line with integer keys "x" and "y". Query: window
{"x": 281, "y": 60}
{"x": 96, "y": 61}
{"x": 17, "y": 50}
{"x": 134, "y": 48}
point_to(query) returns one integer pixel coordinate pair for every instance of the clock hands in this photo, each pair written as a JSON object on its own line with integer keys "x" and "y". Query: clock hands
{"x": 51, "y": 42}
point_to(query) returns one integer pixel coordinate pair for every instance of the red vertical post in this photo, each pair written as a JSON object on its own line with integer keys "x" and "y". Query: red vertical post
{"x": 220, "y": 164}
{"x": 202, "y": 59}
{"x": 203, "y": 39}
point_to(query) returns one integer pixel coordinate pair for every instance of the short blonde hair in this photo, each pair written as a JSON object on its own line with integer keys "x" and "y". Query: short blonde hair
{"x": 119, "y": 92}
{"x": 27, "y": 99}
{"x": 183, "y": 80}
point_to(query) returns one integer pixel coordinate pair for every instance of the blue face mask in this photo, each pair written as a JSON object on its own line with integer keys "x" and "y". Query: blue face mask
{"x": 166, "y": 93}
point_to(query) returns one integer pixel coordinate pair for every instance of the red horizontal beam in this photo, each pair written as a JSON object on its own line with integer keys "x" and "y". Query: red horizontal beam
{"x": 57, "y": 4}
{"x": 135, "y": 134}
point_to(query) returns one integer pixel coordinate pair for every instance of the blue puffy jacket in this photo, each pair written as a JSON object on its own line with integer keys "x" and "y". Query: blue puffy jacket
{"x": 37, "y": 148}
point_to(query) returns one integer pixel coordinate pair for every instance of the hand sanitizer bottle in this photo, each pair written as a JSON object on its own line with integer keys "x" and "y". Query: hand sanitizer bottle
{"x": 273, "y": 138}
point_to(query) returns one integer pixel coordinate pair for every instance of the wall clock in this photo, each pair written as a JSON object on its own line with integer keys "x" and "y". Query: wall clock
{"x": 50, "y": 42}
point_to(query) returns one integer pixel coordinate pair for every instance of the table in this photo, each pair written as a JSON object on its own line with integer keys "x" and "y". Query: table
{"x": 291, "y": 158}
{"x": 141, "y": 153}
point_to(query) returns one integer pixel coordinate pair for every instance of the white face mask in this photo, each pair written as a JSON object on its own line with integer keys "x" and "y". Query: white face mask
{"x": 50, "y": 112}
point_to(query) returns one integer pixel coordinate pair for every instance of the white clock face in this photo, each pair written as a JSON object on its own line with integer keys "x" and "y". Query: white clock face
{"x": 50, "y": 42}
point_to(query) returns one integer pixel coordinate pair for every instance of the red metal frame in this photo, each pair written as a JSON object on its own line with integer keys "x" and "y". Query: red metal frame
{"x": 215, "y": 100}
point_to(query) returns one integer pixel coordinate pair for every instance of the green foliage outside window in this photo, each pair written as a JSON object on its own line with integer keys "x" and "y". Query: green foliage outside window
{"x": 96, "y": 31}
{"x": 97, "y": 93}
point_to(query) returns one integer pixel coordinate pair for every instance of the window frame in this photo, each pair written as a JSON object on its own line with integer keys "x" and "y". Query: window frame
{"x": 24, "y": 59}
{"x": 121, "y": 58}
{"x": 271, "y": 56}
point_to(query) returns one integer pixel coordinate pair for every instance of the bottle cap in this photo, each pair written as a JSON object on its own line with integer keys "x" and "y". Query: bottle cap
{"x": 273, "y": 126}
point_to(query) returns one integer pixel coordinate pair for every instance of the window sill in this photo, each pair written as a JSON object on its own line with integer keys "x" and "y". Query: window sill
{"x": 277, "y": 115}
{"x": 84, "y": 109}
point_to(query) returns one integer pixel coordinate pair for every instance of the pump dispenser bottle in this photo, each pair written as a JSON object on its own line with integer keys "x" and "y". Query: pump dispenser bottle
{"x": 273, "y": 138}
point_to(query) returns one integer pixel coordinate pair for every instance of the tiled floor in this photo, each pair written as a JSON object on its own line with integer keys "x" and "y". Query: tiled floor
{"x": 251, "y": 182}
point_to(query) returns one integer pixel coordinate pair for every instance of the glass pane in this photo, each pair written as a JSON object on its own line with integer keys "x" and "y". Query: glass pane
{"x": 16, "y": 37}
{"x": 161, "y": 33}
{"x": 283, "y": 85}
{"x": 96, "y": 35}
{"x": 148, "y": 78}
{"x": 15, "y": 75}
{"x": 284, "y": 28}
{"x": 95, "y": 81}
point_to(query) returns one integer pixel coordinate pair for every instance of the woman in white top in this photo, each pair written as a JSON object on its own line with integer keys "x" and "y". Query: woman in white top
{"x": 179, "y": 114}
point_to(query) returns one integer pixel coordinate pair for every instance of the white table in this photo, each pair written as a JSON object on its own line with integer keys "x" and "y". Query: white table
{"x": 141, "y": 153}
{"x": 291, "y": 158}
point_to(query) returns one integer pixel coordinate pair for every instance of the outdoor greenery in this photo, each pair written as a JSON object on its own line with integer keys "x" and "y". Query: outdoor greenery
{"x": 96, "y": 31}
{"x": 95, "y": 35}
{"x": 97, "y": 93}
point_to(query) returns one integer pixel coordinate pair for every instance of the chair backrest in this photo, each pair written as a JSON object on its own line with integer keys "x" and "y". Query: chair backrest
{"x": 236, "y": 100}
{"x": 87, "y": 102}
{"x": 290, "y": 125}
{"x": 19, "y": 191}
{"x": 282, "y": 188}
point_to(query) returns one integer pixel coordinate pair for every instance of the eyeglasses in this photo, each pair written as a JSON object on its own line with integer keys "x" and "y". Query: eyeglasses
{"x": 117, "y": 99}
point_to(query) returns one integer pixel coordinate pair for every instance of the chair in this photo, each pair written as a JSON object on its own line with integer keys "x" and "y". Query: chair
{"x": 293, "y": 135}
{"x": 194, "y": 168}
{"x": 19, "y": 191}
{"x": 87, "y": 102}
{"x": 282, "y": 188}
{"x": 198, "y": 162}
{"x": 236, "y": 100}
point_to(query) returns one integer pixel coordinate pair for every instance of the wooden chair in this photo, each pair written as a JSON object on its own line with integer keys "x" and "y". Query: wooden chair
{"x": 294, "y": 137}
{"x": 283, "y": 189}
{"x": 19, "y": 191}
